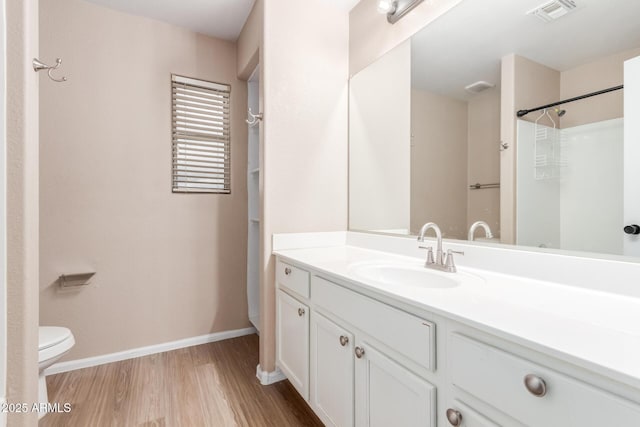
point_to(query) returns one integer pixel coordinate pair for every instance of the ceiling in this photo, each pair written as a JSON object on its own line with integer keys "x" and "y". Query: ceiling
{"x": 467, "y": 43}
{"x": 223, "y": 19}
{"x": 216, "y": 18}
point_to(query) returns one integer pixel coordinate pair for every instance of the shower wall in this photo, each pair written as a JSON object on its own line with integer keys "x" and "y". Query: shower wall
{"x": 537, "y": 201}
{"x": 581, "y": 207}
{"x": 530, "y": 84}
{"x": 591, "y": 189}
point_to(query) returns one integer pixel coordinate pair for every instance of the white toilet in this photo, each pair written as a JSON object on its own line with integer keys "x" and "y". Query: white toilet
{"x": 53, "y": 343}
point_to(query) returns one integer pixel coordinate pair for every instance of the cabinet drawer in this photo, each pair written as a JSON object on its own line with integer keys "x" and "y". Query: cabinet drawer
{"x": 292, "y": 278}
{"x": 498, "y": 378}
{"x": 410, "y": 336}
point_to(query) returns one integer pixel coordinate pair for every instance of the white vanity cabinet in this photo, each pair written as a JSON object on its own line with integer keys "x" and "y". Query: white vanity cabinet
{"x": 389, "y": 345}
{"x": 292, "y": 320}
{"x": 385, "y": 392}
{"x": 364, "y": 359}
{"x": 362, "y": 354}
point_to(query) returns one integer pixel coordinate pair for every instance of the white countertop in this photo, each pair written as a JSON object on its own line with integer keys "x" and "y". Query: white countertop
{"x": 593, "y": 329}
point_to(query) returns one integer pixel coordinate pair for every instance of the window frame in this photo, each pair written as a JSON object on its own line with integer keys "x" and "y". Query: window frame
{"x": 190, "y": 186}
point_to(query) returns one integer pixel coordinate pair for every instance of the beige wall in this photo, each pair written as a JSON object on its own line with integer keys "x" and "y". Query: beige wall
{"x": 597, "y": 75}
{"x": 439, "y": 163}
{"x": 169, "y": 266}
{"x": 305, "y": 132}
{"x": 22, "y": 207}
{"x": 371, "y": 36}
{"x": 484, "y": 159}
{"x": 379, "y": 143}
{"x": 454, "y": 144}
{"x": 525, "y": 84}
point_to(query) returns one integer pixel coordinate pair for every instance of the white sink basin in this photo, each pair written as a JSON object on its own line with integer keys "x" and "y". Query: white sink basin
{"x": 408, "y": 275}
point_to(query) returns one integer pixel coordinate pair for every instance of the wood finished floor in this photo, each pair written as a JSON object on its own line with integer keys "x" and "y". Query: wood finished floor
{"x": 206, "y": 385}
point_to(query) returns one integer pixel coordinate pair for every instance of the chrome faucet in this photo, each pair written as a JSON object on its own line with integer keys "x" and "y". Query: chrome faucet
{"x": 441, "y": 262}
{"x": 430, "y": 262}
{"x": 474, "y": 227}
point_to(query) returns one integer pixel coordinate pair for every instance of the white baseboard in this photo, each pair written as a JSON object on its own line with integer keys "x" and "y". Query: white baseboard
{"x": 255, "y": 321}
{"x": 72, "y": 365}
{"x": 267, "y": 378}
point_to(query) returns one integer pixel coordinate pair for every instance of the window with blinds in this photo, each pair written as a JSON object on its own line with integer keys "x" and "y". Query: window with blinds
{"x": 201, "y": 136}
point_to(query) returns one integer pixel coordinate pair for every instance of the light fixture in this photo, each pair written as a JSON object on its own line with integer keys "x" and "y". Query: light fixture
{"x": 386, "y": 6}
{"x": 396, "y": 9}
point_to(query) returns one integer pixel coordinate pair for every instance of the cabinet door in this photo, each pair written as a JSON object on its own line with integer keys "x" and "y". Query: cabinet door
{"x": 293, "y": 342}
{"x": 331, "y": 372}
{"x": 387, "y": 394}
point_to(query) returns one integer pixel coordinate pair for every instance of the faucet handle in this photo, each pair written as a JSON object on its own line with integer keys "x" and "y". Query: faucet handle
{"x": 450, "y": 265}
{"x": 429, "y": 254}
{"x": 430, "y": 259}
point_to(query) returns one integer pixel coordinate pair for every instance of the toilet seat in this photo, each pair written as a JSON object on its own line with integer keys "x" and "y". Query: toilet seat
{"x": 53, "y": 342}
{"x": 48, "y": 336}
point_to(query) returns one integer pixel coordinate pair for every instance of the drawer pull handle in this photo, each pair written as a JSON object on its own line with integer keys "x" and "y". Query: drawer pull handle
{"x": 287, "y": 271}
{"x": 344, "y": 340}
{"x": 301, "y": 312}
{"x": 359, "y": 352}
{"x": 535, "y": 385}
{"x": 454, "y": 417}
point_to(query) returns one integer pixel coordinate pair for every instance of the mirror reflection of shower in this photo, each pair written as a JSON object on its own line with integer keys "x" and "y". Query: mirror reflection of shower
{"x": 561, "y": 191}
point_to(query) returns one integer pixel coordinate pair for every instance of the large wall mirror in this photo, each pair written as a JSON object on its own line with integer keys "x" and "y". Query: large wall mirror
{"x": 434, "y": 134}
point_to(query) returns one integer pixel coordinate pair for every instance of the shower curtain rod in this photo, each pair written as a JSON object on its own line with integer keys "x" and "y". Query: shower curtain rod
{"x": 523, "y": 113}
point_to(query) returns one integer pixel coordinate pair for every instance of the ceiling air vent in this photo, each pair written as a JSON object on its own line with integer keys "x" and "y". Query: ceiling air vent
{"x": 478, "y": 86}
{"x": 553, "y": 10}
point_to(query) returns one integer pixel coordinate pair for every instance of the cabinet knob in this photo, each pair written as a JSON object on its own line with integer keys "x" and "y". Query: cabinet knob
{"x": 344, "y": 340}
{"x": 454, "y": 417}
{"x": 632, "y": 229}
{"x": 535, "y": 385}
{"x": 287, "y": 271}
{"x": 301, "y": 312}
{"x": 359, "y": 352}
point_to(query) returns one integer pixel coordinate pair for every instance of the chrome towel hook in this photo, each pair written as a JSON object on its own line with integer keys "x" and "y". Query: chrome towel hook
{"x": 253, "y": 118}
{"x": 39, "y": 66}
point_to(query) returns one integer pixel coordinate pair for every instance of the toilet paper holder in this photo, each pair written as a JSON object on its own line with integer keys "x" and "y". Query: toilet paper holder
{"x": 75, "y": 279}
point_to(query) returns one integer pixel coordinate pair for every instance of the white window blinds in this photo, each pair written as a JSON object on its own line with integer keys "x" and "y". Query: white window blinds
{"x": 201, "y": 136}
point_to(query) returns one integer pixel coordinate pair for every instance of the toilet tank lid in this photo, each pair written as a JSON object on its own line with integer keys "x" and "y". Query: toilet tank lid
{"x": 48, "y": 336}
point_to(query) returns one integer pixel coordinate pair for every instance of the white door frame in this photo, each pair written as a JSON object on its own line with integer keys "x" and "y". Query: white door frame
{"x": 631, "y": 153}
